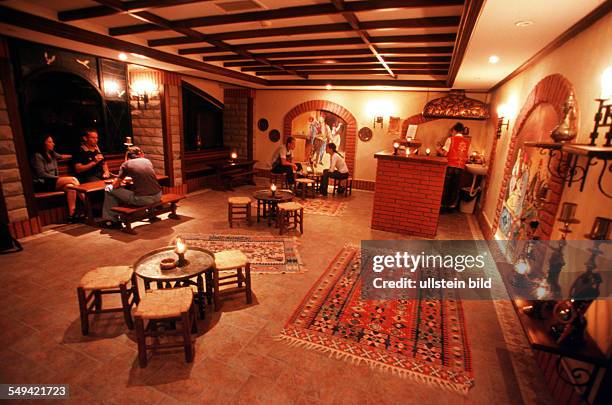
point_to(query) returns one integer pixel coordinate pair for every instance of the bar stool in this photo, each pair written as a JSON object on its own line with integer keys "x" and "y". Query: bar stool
{"x": 347, "y": 183}
{"x": 238, "y": 209}
{"x": 280, "y": 179}
{"x": 226, "y": 261}
{"x": 165, "y": 306}
{"x": 290, "y": 215}
{"x": 107, "y": 280}
{"x": 305, "y": 186}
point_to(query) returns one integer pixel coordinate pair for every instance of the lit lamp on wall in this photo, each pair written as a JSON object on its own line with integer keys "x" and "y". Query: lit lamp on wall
{"x": 143, "y": 90}
{"x": 603, "y": 116}
{"x": 502, "y": 118}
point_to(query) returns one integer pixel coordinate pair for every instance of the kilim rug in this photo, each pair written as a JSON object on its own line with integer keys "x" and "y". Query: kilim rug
{"x": 423, "y": 339}
{"x": 323, "y": 206}
{"x": 268, "y": 254}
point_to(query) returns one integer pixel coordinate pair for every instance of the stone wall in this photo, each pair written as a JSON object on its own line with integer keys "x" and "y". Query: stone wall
{"x": 238, "y": 122}
{"x": 174, "y": 123}
{"x": 10, "y": 177}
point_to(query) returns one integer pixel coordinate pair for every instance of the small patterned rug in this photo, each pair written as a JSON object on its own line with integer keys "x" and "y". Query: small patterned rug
{"x": 323, "y": 206}
{"x": 424, "y": 339}
{"x": 268, "y": 254}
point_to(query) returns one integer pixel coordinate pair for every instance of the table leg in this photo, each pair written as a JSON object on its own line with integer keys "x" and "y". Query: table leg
{"x": 147, "y": 284}
{"x": 88, "y": 210}
{"x": 200, "y": 296}
{"x": 258, "y": 208}
{"x": 209, "y": 287}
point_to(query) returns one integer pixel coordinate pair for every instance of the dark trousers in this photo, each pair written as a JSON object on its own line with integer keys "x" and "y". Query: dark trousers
{"x": 334, "y": 175}
{"x": 288, "y": 170}
{"x": 450, "y": 195}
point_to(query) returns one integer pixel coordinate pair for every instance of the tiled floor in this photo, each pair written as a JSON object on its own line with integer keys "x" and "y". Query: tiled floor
{"x": 237, "y": 360}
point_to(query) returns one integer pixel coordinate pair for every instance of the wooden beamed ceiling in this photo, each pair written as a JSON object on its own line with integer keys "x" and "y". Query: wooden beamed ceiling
{"x": 411, "y": 42}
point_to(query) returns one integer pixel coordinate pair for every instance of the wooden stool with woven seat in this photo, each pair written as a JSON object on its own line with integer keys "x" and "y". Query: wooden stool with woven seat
{"x": 239, "y": 209}
{"x": 290, "y": 215}
{"x": 165, "y": 306}
{"x": 280, "y": 179}
{"x": 305, "y": 187}
{"x": 226, "y": 261}
{"x": 346, "y": 183}
{"x": 107, "y": 280}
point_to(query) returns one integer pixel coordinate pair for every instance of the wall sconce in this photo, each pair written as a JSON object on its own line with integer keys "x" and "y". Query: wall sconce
{"x": 143, "y": 90}
{"x": 603, "y": 116}
{"x": 601, "y": 229}
{"x": 502, "y": 120}
{"x": 378, "y": 120}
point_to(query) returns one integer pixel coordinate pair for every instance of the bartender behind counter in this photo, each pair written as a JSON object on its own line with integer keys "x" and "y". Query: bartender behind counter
{"x": 455, "y": 148}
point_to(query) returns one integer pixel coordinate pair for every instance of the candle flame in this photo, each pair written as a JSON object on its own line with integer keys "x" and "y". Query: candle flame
{"x": 428, "y": 151}
{"x": 522, "y": 267}
{"x": 234, "y": 155}
{"x": 273, "y": 187}
{"x": 541, "y": 291}
{"x": 396, "y": 145}
{"x": 181, "y": 247}
{"x": 308, "y": 169}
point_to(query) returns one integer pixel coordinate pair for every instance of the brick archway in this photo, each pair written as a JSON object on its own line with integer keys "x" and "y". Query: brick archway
{"x": 351, "y": 125}
{"x": 553, "y": 90}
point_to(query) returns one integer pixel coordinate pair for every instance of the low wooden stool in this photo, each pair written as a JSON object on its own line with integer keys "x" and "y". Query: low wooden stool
{"x": 290, "y": 215}
{"x": 239, "y": 209}
{"x": 165, "y": 305}
{"x": 348, "y": 186}
{"x": 107, "y": 280}
{"x": 280, "y": 179}
{"x": 305, "y": 186}
{"x": 231, "y": 260}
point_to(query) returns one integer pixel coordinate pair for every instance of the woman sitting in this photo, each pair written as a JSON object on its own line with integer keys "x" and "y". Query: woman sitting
{"x": 337, "y": 168}
{"x": 46, "y": 176}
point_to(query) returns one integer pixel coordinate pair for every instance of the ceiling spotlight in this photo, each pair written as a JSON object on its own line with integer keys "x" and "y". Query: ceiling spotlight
{"x": 122, "y": 56}
{"x": 523, "y": 23}
{"x": 328, "y": 86}
{"x": 493, "y": 59}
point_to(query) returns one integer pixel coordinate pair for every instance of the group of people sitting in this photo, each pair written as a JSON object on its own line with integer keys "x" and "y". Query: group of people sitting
{"x": 90, "y": 165}
{"x": 282, "y": 162}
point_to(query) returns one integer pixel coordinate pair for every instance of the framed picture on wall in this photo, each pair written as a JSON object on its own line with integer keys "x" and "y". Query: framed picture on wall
{"x": 411, "y": 131}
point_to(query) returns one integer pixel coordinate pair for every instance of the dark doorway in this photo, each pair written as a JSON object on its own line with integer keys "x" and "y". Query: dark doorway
{"x": 202, "y": 120}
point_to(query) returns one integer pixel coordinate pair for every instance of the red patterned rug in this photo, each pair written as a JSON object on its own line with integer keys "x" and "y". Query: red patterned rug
{"x": 424, "y": 339}
{"x": 324, "y": 206}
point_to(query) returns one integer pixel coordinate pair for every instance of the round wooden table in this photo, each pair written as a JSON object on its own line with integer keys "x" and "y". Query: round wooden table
{"x": 267, "y": 204}
{"x": 199, "y": 261}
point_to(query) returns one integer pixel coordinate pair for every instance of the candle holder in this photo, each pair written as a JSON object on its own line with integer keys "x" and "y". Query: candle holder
{"x": 427, "y": 151}
{"x": 396, "y": 146}
{"x": 600, "y": 229}
{"x": 567, "y": 217}
{"x": 180, "y": 250}
{"x": 603, "y": 118}
{"x": 273, "y": 190}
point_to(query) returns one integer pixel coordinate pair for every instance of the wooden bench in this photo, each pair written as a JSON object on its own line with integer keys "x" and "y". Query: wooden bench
{"x": 130, "y": 214}
{"x": 230, "y": 176}
{"x": 48, "y": 194}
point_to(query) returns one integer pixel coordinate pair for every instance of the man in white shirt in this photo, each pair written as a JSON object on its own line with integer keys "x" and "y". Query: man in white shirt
{"x": 282, "y": 160}
{"x": 337, "y": 168}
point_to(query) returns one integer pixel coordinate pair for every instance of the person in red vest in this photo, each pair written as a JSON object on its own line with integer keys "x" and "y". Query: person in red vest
{"x": 456, "y": 149}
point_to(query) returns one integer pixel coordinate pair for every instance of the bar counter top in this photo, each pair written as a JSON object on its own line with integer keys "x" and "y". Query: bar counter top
{"x": 388, "y": 154}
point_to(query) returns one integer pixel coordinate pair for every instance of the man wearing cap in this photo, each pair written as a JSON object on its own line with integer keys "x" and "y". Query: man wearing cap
{"x": 144, "y": 191}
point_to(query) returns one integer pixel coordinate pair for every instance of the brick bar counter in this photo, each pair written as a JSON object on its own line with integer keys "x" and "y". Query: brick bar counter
{"x": 408, "y": 193}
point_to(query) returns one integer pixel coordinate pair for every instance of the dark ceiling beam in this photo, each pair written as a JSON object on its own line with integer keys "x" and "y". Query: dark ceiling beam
{"x": 130, "y": 6}
{"x": 287, "y": 12}
{"x": 339, "y": 52}
{"x": 329, "y": 62}
{"x": 326, "y": 42}
{"x": 347, "y": 67}
{"x": 380, "y": 71}
{"x": 162, "y": 22}
{"x": 471, "y": 11}
{"x": 29, "y": 21}
{"x": 431, "y": 22}
{"x": 358, "y": 82}
{"x": 352, "y": 19}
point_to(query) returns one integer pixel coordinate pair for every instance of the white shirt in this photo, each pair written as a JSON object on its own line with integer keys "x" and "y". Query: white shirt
{"x": 281, "y": 152}
{"x": 338, "y": 163}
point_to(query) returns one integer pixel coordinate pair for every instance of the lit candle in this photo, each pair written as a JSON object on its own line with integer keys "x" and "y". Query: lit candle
{"x": 395, "y": 147}
{"x": 308, "y": 169}
{"x": 409, "y": 138}
{"x": 234, "y": 155}
{"x": 541, "y": 291}
{"x": 273, "y": 189}
{"x": 568, "y": 211}
{"x": 522, "y": 267}
{"x": 407, "y": 151}
{"x": 606, "y": 84}
{"x": 427, "y": 151}
{"x": 180, "y": 249}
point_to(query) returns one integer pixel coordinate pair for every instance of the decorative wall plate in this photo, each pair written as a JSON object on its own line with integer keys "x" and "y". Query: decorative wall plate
{"x": 274, "y": 135}
{"x": 365, "y": 134}
{"x": 262, "y": 124}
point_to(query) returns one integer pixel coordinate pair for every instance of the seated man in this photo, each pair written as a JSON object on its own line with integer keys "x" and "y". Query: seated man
{"x": 89, "y": 161}
{"x": 145, "y": 191}
{"x": 337, "y": 168}
{"x": 282, "y": 160}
